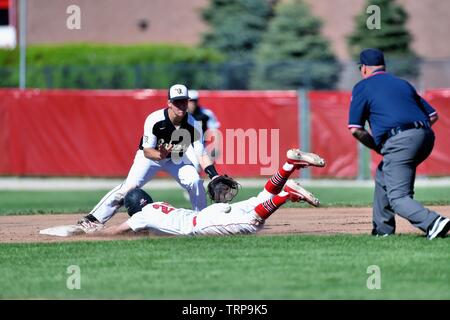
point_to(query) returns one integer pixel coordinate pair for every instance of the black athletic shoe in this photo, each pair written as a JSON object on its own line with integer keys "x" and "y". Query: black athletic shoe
{"x": 439, "y": 228}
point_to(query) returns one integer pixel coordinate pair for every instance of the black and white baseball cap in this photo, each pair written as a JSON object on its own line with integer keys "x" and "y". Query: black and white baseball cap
{"x": 178, "y": 92}
{"x": 193, "y": 95}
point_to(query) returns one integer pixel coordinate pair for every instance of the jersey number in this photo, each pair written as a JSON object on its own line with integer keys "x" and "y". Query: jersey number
{"x": 165, "y": 208}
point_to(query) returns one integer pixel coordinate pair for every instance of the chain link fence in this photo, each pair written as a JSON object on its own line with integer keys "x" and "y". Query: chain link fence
{"x": 234, "y": 75}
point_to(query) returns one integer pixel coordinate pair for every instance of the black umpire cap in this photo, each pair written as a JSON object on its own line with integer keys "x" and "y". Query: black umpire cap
{"x": 371, "y": 57}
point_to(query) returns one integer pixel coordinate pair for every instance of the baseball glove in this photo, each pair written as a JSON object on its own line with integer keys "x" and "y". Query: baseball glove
{"x": 223, "y": 189}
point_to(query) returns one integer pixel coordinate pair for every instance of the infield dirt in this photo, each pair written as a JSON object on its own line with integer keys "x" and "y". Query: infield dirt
{"x": 25, "y": 228}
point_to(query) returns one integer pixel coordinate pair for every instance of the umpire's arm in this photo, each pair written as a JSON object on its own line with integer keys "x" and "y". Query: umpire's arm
{"x": 358, "y": 116}
{"x": 433, "y": 119}
{"x": 365, "y": 138}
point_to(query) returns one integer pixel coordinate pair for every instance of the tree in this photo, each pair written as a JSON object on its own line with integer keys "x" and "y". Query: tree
{"x": 236, "y": 29}
{"x": 391, "y": 36}
{"x": 293, "y": 53}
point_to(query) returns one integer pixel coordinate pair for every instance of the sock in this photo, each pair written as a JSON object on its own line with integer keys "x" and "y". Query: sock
{"x": 276, "y": 183}
{"x": 91, "y": 218}
{"x": 265, "y": 209}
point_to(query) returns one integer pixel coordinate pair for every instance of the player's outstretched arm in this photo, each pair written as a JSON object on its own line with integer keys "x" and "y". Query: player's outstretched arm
{"x": 113, "y": 230}
{"x": 205, "y": 161}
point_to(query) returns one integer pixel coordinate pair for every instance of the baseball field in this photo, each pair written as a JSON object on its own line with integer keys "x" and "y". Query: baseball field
{"x": 302, "y": 253}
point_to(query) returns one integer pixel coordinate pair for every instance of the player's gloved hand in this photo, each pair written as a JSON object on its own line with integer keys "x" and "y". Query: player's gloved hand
{"x": 223, "y": 188}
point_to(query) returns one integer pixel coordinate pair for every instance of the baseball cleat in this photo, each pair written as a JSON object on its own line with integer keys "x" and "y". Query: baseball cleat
{"x": 295, "y": 156}
{"x": 439, "y": 228}
{"x": 90, "y": 224}
{"x": 298, "y": 193}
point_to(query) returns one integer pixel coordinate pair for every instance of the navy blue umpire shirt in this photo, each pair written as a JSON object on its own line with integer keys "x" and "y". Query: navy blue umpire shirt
{"x": 386, "y": 102}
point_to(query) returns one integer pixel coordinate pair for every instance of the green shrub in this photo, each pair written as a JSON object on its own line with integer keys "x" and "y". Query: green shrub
{"x": 112, "y": 66}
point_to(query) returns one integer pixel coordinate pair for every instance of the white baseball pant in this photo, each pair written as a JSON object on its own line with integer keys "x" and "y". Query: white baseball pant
{"x": 236, "y": 218}
{"x": 141, "y": 172}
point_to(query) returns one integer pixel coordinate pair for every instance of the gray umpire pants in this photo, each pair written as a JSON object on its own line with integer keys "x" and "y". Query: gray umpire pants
{"x": 394, "y": 181}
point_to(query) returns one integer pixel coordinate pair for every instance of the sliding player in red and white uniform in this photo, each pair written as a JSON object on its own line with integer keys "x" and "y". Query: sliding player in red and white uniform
{"x": 220, "y": 218}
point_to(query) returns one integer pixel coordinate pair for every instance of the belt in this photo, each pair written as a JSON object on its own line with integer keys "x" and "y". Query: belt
{"x": 413, "y": 125}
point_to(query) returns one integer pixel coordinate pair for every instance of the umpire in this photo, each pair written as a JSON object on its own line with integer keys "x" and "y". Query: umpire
{"x": 400, "y": 122}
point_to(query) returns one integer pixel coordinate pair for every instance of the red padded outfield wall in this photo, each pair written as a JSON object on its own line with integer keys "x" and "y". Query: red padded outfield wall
{"x": 331, "y": 138}
{"x": 269, "y": 119}
{"x": 329, "y": 134}
{"x": 438, "y": 163}
{"x": 72, "y": 133}
{"x": 96, "y": 133}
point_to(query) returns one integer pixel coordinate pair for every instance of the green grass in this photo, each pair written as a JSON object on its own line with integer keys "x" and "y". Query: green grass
{"x": 235, "y": 267}
{"x": 363, "y": 196}
{"x": 33, "y": 202}
{"x": 36, "y": 202}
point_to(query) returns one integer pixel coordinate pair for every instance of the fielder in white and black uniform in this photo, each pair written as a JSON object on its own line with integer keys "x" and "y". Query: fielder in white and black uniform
{"x": 220, "y": 218}
{"x": 167, "y": 135}
{"x": 210, "y": 126}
